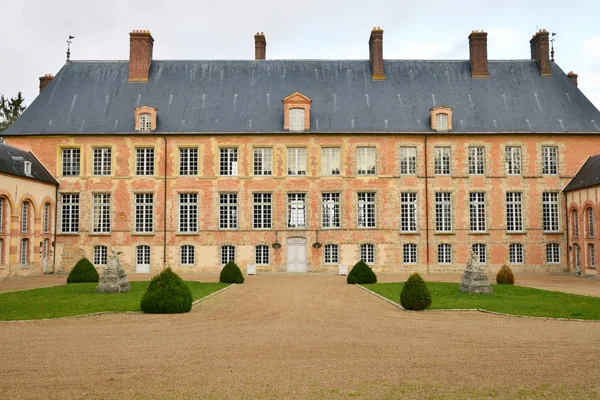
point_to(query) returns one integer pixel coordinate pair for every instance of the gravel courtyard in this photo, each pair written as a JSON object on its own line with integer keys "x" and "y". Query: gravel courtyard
{"x": 300, "y": 337}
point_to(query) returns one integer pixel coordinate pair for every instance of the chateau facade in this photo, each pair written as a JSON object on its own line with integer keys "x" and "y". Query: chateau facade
{"x": 301, "y": 166}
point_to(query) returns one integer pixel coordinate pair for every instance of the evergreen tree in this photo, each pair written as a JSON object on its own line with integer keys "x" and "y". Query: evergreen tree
{"x": 10, "y": 110}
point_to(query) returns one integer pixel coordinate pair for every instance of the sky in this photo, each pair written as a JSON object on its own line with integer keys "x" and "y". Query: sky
{"x": 34, "y": 32}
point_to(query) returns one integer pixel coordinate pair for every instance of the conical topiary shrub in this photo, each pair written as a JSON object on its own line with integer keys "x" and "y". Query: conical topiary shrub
{"x": 83, "y": 271}
{"x": 505, "y": 276}
{"x": 361, "y": 273}
{"x": 231, "y": 273}
{"x": 167, "y": 294}
{"x": 415, "y": 295}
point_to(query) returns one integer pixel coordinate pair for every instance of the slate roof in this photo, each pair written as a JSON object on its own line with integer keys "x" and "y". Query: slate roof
{"x": 588, "y": 175}
{"x": 15, "y": 166}
{"x": 245, "y": 96}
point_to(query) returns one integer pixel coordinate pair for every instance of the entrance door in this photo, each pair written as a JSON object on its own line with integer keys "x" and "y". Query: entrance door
{"x": 142, "y": 264}
{"x": 296, "y": 254}
{"x": 45, "y": 255}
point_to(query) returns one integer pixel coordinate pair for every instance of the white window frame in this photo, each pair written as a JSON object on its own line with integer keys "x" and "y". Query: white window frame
{"x": 69, "y": 218}
{"x": 296, "y": 210}
{"x": 262, "y": 210}
{"x": 296, "y": 161}
{"x": 24, "y": 256}
{"x": 408, "y": 160}
{"x": 366, "y": 160}
{"x": 101, "y": 213}
{"x": 331, "y": 161}
{"x": 102, "y": 161}
{"x": 553, "y": 253}
{"x": 261, "y": 253}
{"x": 145, "y": 122}
{"x": 188, "y": 213}
{"x": 25, "y": 217}
{"x": 263, "y": 161}
{"x": 1, "y": 215}
{"x": 443, "y": 211}
{"x": 188, "y": 161}
{"x": 27, "y": 168}
{"x": 408, "y": 212}
{"x": 590, "y": 222}
{"x": 550, "y": 213}
{"x": 442, "y": 161}
{"x": 481, "y": 250}
{"x": 296, "y": 119}
{"x": 477, "y": 212}
{"x": 144, "y": 212}
{"x": 227, "y": 254}
{"x": 441, "y": 122}
{"x": 516, "y": 253}
{"x": 476, "y": 160}
{"x": 71, "y": 161}
{"x": 367, "y": 253}
{"x": 444, "y": 253}
{"x": 575, "y": 223}
{"x": 330, "y": 210}
{"x": 367, "y": 210}
{"x": 100, "y": 255}
{"x": 549, "y": 160}
{"x": 144, "y": 161}
{"x": 592, "y": 255}
{"x": 331, "y": 253}
{"x": 45, "y": 224}
{"x": 228, "y": 161}
{"x": 513, "y": 160}
{"x": 409, "y": 253}
{"x": 187, "y": 254}
{"x": 514, "y": 211}
{"x": 228, "y": 210}
{"x": 143, "y": 255}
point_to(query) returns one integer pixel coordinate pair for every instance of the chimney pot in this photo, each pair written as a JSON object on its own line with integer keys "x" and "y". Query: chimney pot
{"x": 141, "y": 44}
{"x": 478, "y": 54}
{"x": 376, "y": 54}
{"x": 260, "y": 46}
{"x": 45, "y": 80}
{"x": 573, "y": 77}
{"x": 540, "y": 51}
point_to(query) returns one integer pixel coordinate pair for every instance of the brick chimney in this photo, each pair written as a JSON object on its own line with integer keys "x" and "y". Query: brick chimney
{"x": 45, "y": 80}
{"x": 376, "y": 54}
{"x": 573, "y": 77}
{"x": 540, "y": 51}
{"x": 478, "y": 52}
{"x": 260, "y": 46}
{"x": 140, "y": 55}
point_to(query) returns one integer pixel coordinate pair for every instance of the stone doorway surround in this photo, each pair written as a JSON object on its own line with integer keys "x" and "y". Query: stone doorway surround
{"x": 296, "y": 254}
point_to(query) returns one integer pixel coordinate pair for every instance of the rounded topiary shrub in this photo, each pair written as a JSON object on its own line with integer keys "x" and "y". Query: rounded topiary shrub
{"x": 505, "y": 276}
{"x": 167, "y": 294}
{"x": 231, "y": 273}
{"x": 83, "y": 271}
{"x": 361, "y": 273}
{"x": 415, "y": 295}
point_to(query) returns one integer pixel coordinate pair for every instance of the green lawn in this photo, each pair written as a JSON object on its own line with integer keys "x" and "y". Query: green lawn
{"x": 81, "y": 298}
{"x": 508, "y": 299}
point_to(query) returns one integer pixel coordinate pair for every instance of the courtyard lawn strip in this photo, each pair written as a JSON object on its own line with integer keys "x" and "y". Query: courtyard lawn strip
{"x": 506, "y": 299}
{"x": 82, "y": 299}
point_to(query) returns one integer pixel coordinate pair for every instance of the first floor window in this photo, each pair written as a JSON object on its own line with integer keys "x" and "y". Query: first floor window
{"x": 409, "y": 253}
{"x": 592, "y": 255}
{"x": 575, "y": 223}
{"x": 408, "y": 212}
{"x": 100, "y": 255}
{"x": 1, "y": 214}
{"x": 46, "y": 218}
{"x": 101, "y": 213}
{"x": 549, "y": 160}
{"x": 144, "y": 212}
{"x": 144, "y": 161}
{"x": 366, "y": 160}
{"x": 408, "y": 160}
{"x": 262, "y": 210}
{"x": 550, "y": 211}
{"x": 480, "y": 250}
{"x": 367, "y": 253}
{"x": 553, "y": 253}
{"x": 25, "y": 217}
{"x": 296, "y": 210}
{"x": 442, "y": 161}
{"x": 24, "y": 252}
{"x": 227, "y": 254}
{"x": 331, "y": 210}
{"x": 515, "y": 253}
{"x": 188, "y": 212}
{"x": 262, "y": 254}
{"x": 229, "y": 162}
{"x": 590, "y": 222}
{"x": 102, "y": 161}
{"x": 296, "y": 161}
{"x": 70, "y": 162}
{"x": 187, "y": 255}
{"x": 513, "y": 160}
{"x": 366, "y": 210}
{"x": 330, "y": 161}
{"x": 70, "y": 213}
{"x": 476, "y": 161}
{"x": 263, "y": 161}
{"x": 331, "y": 254}
{"x": 228, "y": 211}
{"x": 443, "y": 212}
{"x": 444, "y": 253}
{"x": 477, "y": 212}
{"x": 514, "y": 212}
{"x": 188, "y": 161}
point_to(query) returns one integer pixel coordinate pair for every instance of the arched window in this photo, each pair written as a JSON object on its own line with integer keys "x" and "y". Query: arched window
{"x": 145, "y": 122}
{"x": 2, "y": 212}
{"x": 575, "y": 223}
{"x": 592, "y": 255}
{"x": 25, "y": 217}
{"x": 24, "y": 252}
{"x": 589, "y": 216}
{"x": 47, "y": 218}
{"x": 576, "y": 257}
{"x": 1, "y": 251}
{"x": 100, "y": 255}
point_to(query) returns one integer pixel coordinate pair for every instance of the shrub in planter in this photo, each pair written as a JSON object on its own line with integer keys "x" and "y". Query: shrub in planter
{"x": 83, "y": 271}
{"x": 505, "y": 276}
{"x": 361, "y": 273}
{"x": 415, "y": 295}
{"x": 167, "y": 294}
{"x": 231, "y": 273}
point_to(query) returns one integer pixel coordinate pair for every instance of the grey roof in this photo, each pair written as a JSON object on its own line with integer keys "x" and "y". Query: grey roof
{"x": 588, "y": 175}
{"x": 245, "y": 96}
{"x": 12, "y": 162}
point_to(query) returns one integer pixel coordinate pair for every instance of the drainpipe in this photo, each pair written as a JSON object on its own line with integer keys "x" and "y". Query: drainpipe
{"x": 426, "y": 207}
{"x": 55, "y": 228}
{"x": 567, "y": 232}
{"x": 165, "y": 209}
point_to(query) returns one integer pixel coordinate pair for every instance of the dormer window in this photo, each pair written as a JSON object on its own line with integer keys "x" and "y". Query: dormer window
{"x": 296, "y": 112}
{"x": 441, "y": 118}
{"x": 27, "y": 168}
{"x": 145, "y": 119}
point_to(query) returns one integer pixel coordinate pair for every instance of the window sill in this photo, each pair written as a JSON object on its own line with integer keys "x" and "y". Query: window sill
{"x": 516, "y": 233}
{"x": 444, "y": 233}
{"x": 143, "y": 233}
{"x": 479, "y": 233}
{"x": 100, "y": 234}
{"x": 409, "y": 233}
{"x": 68, "y": 234}
{"x": 552, "y": 232}
{"x": 187, "y": 234}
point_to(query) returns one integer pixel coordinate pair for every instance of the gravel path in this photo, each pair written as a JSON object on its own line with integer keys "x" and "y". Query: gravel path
{"x": 299, "y": 337}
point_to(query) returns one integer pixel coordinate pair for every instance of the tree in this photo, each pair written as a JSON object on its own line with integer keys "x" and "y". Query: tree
{"x": 10, "y": 110}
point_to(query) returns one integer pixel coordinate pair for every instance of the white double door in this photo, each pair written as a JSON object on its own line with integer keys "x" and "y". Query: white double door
{"x": 296, "y": 254}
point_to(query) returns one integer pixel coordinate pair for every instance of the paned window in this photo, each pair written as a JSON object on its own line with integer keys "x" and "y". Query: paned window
{"x": 575, "y": 222}
{"x": 1, "y": 215}
{"x": 366, "y": 158}
{"x": 100, "y": 255}
{"x": 549, "y": 160}
{"x": 331, "y": 254}
{"x": 228, "y": 210}
{"x": 409, "y": 253}
{"x": 262, "y": 254}
{"x": 513, "y": 160}
{"x": 480, "y": 250}
{"x": 296, "y": 210}
{"x": 187, "y": 254}
{"x": 102, "y": 161}
{"x": 553, "y": 253}
{"x": 1, "y": 251}
{"x": 577, "y": 257}
{"x": 25, "y": 217}
{"x": 408, "y": 160}
{"x": 27, "y": 167}
{"x": 24, "y": 252}
{"x": 550, "y": 211}
{"x": 70, "y": 162}
{"x": 366, "y": 210}
{"x": 592, "y": 255}
{"x": 188, "y": 161}
{"x": 515, "y": 253}
{"x": 46, "y": 225}
{"x": 144, "y": 212}
{"x": 263, "y": 161}
{"x": 476, "y": 161}
{"x": 296, "y": 119}
{"x": 229, "y": 162}
{"x": 443, "y": 212}
{"x": 408, "y": 212}
{"x": 441, "y": 122}
{"x": 442, "y": 160}
{"x": 514, "y": 212}
{"x": 227, "y": 254}
{"x": 143, "y": 255}
{"x": 101, "y": 213}
{"x": 262, "y": 208}
{"x": 477, "y": 212}
{"x": 444, "y": 253}
{"x": 367, "y": 253}
{"x": 144, "y": 161}
{"x": 296, "y": 161}
{"x": 331, "y": 210}
{"x": 145, "y": 123}
{"x": 70, "y": 213}
{"x": 330, "y": 161}
{"x": 590, "y": 222}
{"x": 188, "y": 212}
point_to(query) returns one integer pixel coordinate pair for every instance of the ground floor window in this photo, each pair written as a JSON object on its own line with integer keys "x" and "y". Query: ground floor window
{"x": 187, "y": 255}
{"x": 444, "y": 253}
{"x": 480, "y": 250}
{"x": 367, "y": 253}
{"x": 592, "y": 255}
{"x": 515, "y": 253}
{"x": 24, "y": 252}
{"x": 331, "y": 254}
{"x": 262, "y": 254}
{"x": 100, "y": 255}
{"x": 409, "y": 255}
{"x": 1, "y": 250}
{"x": 227, "y": 254}
{"x": 553, "y": 253}
{"x": 143, "y": 255}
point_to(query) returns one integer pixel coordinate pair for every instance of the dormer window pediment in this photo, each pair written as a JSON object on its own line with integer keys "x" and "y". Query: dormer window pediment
{"x": 296, "y": 112}
{"x": 441, "y": 118}
{"x": 145, "y": 119}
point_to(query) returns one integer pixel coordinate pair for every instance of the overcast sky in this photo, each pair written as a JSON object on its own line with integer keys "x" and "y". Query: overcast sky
{"x": 34, "y": 32}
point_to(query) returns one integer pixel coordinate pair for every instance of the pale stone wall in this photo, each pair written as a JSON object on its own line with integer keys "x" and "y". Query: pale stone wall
{"x": 581, "y": 200}
{"x": 387, "y": 183}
